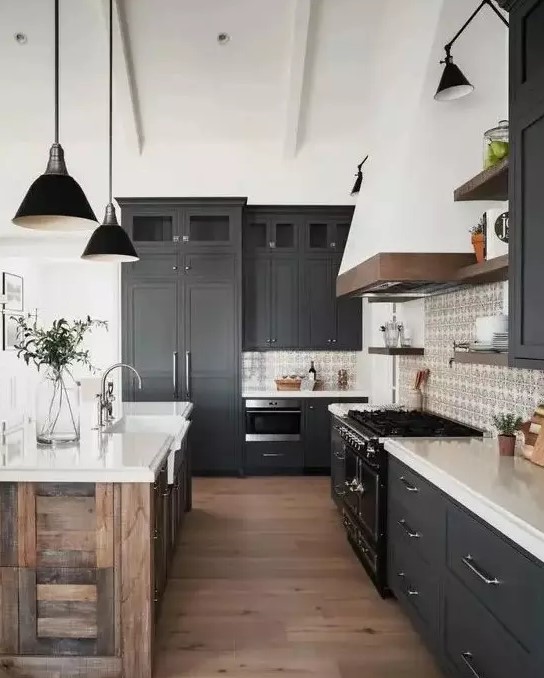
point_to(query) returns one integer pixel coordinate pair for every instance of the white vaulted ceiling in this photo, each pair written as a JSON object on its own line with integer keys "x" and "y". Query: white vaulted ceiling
{"x": 279, "y": 70}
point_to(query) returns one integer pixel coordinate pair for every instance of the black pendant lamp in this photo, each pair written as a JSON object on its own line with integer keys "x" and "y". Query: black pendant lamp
{"x": 359, "y": 180}
{"x": 453, "y": 84}
{"x": 110, "y": 242}
{"x": 55, "y": 201}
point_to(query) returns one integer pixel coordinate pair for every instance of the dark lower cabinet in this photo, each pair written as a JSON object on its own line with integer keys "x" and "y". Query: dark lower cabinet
{"x": 475, "y": 598}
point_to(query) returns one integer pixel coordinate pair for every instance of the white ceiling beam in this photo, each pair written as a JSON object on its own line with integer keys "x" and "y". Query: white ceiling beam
{"x": 297, "y": 71}
{"x": 126, "y": 93}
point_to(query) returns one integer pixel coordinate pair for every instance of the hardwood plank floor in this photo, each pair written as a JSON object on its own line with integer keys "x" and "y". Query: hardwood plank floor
{"x": 264, "y": 583}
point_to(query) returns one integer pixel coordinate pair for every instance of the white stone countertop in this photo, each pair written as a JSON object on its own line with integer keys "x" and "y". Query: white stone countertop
{"x": 271, "y": 393}
{"x": 506, "y": 492}
{"x": 131, "y": 449}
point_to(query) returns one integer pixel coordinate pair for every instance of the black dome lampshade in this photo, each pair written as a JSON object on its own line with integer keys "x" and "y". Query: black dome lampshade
{"x": 453, "y": 84}
{"x": 55, "y": 201}
{"x": 110, "y": 242}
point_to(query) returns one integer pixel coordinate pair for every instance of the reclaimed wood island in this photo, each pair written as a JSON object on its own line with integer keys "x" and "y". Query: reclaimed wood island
{"x": 86, "y": 536}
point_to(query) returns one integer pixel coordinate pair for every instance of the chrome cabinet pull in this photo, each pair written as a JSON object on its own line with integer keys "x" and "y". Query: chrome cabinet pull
{"x": 188, "y": 374}
{"x": 408, "y": 530}
{"x": 175, "y": 373}
{"x": 469, "y": 562}
{"x": 467, "y": 658}
{"x": 409, "y": 487}
{"x": 272, "y": 454}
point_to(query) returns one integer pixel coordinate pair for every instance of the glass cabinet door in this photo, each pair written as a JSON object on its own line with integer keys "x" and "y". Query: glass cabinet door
{"x": 207, "y": 227}
{"x": 151, "y": 227}
{"x": 264, "y": 233}
{"x": 255, "y": 236}
{"x": 327, "y": 235}
{"x": 283, "y": 235}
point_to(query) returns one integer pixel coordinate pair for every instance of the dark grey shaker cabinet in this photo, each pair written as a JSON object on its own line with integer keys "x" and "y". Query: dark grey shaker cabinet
{"x": 526, "y": 172}
{"x": 210, "y": 383}
{"x": 150, "y": 336}
{"x": 271, "y": 303}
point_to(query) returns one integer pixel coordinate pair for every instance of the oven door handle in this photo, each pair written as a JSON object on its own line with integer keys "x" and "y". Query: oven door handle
{"x": 273, "y": 411}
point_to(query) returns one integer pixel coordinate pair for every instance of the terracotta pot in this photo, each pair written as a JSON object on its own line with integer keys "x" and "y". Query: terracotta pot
{"x": 478, "y": 243}
{"x": 507, "y": 445}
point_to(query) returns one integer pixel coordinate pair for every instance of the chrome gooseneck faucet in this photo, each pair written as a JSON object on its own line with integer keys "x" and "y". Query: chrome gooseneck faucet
{"x": 106, "y": 397}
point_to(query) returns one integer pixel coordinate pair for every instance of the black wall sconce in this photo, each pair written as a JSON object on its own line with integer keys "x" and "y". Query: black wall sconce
{"x": 359, "y": 180}
{"x": 453, "y": 84}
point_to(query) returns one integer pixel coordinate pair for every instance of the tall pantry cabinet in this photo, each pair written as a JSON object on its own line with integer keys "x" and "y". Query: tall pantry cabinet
{"x": 182, "y": 316}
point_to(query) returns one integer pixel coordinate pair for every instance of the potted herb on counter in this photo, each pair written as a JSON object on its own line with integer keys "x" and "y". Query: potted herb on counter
{"x": 57, "y": 350}
{"x": 507, "y": 425}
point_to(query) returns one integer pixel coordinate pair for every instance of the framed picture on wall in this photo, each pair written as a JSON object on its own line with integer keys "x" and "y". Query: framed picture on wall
{"x": 9, "y": 332}
{"x": 12, "y": 288}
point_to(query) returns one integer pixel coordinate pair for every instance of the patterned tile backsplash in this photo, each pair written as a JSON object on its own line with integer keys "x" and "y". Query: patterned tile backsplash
{"x": 469, "y": 393}
{"x": 260, "y": 369}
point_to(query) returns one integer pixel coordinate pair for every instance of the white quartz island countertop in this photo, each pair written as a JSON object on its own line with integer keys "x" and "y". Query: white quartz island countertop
{"x": 506, "y": 492}
{"x": 130, "y": 449}
{"x": 271, "y": 393}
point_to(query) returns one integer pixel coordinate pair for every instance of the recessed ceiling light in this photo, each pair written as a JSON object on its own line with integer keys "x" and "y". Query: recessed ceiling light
{"x": 21, "y": 38}
{"x": 223, "y": 38}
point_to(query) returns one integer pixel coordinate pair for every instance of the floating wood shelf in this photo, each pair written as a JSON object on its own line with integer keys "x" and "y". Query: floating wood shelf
{"x": 491, "y": 184}
{"x": 482, "y": 358}
{"x": 383, "y": 350}
{"x": 492, "y": 270}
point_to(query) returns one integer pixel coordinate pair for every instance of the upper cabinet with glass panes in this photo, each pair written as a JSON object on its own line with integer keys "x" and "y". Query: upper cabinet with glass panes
{"x": 270, "y": 233}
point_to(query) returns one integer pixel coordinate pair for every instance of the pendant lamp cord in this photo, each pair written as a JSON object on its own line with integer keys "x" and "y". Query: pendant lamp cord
{"x": 111, "y": 106}
{"x": 56, "y": 71}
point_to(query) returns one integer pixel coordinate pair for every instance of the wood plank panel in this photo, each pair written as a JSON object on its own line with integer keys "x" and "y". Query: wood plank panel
{"x": 68, "y": 558}
{"x": 65, "y": 489}
{"x": 55, "y": 514}
{"x": 54, "y": 592}
{"x": 136, "y": 582}
{"x": 68, "y": 627}
{"x": 27, "y": 611}
{"x": 117, "y": 570}
{"x": 105, "y": 613}
{"x": 67, "y": 608}
{"x": 65, "y": 541}
{"x": 67, "y": 575}
{"x": 26, "y": 524}
{"x": 104, "y": 525}
{"x": 8, "y": 524}
{"x": 9, "y": 610}
{"x": 60, "y": 667}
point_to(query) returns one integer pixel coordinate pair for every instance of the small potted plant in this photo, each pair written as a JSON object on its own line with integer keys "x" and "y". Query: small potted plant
{"x": 507, "y": 425}
{"x": 478, "y": 239}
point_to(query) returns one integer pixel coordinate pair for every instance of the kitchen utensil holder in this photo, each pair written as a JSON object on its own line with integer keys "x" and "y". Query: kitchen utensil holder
{"x": 416, "y": 400}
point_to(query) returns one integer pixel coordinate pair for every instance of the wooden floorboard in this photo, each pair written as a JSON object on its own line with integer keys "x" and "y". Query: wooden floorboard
{"x": 264, "y": 583}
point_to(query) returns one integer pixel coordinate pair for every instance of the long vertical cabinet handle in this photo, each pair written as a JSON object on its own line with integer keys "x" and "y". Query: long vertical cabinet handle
{"x": 175, "y": 373}
{"x": 188, "y": 373}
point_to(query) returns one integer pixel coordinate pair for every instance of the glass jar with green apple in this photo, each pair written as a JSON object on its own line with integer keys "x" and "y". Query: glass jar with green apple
{"x": 496, "y": 144}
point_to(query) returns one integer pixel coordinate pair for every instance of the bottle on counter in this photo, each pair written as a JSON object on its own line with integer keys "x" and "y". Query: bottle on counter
{"x": 312, "y": 374}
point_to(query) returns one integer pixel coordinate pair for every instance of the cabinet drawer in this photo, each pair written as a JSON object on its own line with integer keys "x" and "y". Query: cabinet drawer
{"x": 210, "y": 266}
{"x": 416, "y": 495}
{"x": 420, "y": 533}
{"x": 507, "y": 582}
{"x": 274, "y": 455}
{"x": 476, "y": 644}
{"x": 415, "y": 585}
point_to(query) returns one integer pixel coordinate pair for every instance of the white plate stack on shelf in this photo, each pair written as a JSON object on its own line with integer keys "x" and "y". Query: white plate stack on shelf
{"x": 500, "y": 342}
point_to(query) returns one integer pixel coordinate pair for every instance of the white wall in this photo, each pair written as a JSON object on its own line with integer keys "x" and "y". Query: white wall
{"x": 422, "y": 149}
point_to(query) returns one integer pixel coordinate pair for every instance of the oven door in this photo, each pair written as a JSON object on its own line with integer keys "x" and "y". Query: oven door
{"x": 368, "y": 492}
{"x": 273, "y": 421}
{"x": 351, "y": 481}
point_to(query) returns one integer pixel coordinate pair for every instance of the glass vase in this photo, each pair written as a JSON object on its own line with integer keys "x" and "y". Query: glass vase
{"x": 57, "y": 408}
{"x": 391, "y": 334}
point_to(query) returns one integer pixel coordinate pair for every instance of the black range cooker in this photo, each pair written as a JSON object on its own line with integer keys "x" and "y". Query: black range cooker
{"x": 362, "y": 490}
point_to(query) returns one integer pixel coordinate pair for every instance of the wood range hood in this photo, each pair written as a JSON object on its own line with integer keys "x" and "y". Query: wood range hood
{"x": 404, "y": 274}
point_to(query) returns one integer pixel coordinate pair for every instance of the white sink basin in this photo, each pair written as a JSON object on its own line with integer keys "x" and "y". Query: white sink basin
{"x": 174, "y": 426}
